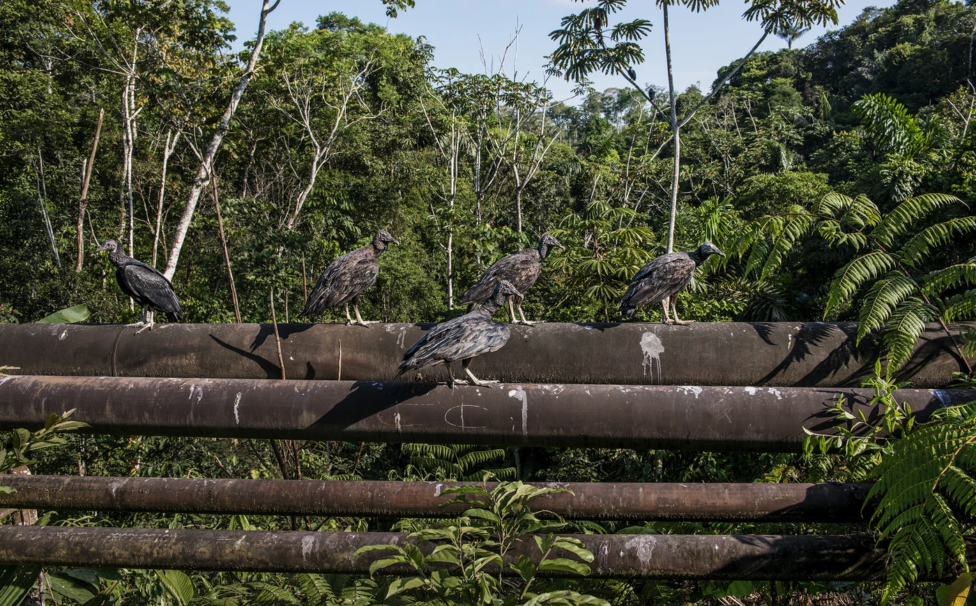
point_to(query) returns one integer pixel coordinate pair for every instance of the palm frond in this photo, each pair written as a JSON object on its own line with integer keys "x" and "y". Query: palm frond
{"x": 882, "y": 300}
{"x": 850, "y": 278}
{"x": 940, "y": 234}
{"x": 906, "y": 214}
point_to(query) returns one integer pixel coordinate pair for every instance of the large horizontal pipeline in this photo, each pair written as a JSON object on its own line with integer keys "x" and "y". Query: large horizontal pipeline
{"x": 770, "y": 354}
{"x": 840, "y": 503}
{"x": 604, "y": 416}
{"x": 800, "y": 558}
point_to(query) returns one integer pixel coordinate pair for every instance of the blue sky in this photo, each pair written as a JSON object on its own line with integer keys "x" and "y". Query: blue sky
{"x": 701, "y": 43}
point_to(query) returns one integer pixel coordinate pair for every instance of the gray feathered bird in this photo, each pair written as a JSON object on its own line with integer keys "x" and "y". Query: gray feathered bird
{"x": 662, "y": 279}
{"x": 147, "y": 287}
{"x": 347, "y": 277}
{"x": 521, "y": 269}
{"x": 463, "y": 338}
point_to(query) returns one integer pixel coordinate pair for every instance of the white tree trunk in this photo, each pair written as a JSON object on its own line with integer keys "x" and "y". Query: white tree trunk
{"x": 167, "y": 152}
{"x": 203, "y": 172}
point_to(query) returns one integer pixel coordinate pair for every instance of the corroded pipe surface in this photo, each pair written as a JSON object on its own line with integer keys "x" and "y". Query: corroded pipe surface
{"x": 798, "y": 558}
{"x": 772, "y": 354}
{"x": 839, "y": 503}
{"x": 604, "y": 416}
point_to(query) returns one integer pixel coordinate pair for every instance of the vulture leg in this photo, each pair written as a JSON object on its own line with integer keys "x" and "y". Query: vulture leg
{"x": 450, "y": 372}
{"x": 667, "y": 318}
{"x": 475, "y": 380}
{"x": 511, "y": 310}
{"x": 674, "y": 309}
{"x": 359, "y": 320}
{"x": 348, "y": 317}
{"x": 146, "y": 319}
{"x": 522, "y": 315}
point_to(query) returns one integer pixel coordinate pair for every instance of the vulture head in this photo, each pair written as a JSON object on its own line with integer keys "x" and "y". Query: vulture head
{"x": 546, "y": 243}
{"x": 110, "y": 245}
{"x": 708, "y": 249}
{"x": 382, "y": 238}
{"x": 504, "y": 290}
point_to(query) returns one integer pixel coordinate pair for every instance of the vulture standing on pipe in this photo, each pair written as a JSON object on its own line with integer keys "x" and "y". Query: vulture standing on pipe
{"x": 521, "y": 269}
{"x": 662, "y": 279}
{"x": 147, "y": 287}
{"x": 463, "y": 338}
{"x": 347, "y": 277}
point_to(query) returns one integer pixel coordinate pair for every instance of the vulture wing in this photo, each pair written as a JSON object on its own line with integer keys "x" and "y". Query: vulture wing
{"x": 458, "y": 339}
{"x": 659, "y": 279}
{"x": 150, "y": 288}
{"x": 344, "y": 279}
{"x": 521, "y": 269}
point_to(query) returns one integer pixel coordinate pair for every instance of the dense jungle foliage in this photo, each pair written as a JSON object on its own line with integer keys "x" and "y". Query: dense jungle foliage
{"x": 840, "y": 178}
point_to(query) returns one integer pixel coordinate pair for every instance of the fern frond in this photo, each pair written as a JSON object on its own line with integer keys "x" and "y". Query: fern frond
{"x": 924, "y": 478}
{"x": 795, "y": 228}
{"x": 940, "y": 234}
{"x": 832, "y": 204}
{"x": 903, "y": 330}
{"x": 948, "y": 278}
{"x": 906, "y": 214}
{"x": 849, "y": 279}
{"x": 885, "y": 295}
{"x": 960, "y": 307}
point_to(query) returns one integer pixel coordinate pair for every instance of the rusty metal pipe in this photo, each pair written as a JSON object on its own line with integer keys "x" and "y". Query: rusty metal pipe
{"x": 840, "y": 503}
{"x": 768, "y": 354}
{"x": 577, "y": 416}
{"x": 800, "y": 558}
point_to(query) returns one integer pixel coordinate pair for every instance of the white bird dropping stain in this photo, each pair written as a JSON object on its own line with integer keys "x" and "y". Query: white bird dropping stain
{"x": 63, "y": 335}
{"x": 307, "y": 544}
{"x": 651, "y": 345}
{"x": 519, "y": 394}
{"x": 396, "y": 419}
{"x": 237, "y": 407}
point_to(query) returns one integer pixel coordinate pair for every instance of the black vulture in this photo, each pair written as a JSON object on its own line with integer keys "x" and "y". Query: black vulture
{"x": 521, "y": 269}
{"x": 347, "y": 277}
{"x": 463, "y": 338}
{"x": 662, "y": 279}
{"x": 147, "y": 287}
{"x": 631, "y": 73}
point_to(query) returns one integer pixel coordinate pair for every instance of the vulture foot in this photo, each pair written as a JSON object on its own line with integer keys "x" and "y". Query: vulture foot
{"x": 669, "y": 322}
{"x": 362, "y": 323}
{"x": 684, "y": 322}
{"x": 524, "y": 322}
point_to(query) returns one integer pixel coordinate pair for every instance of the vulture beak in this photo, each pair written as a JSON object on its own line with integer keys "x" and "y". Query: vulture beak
{"x": 722, "y": 253}
{"x": 101, "y": 248}
{"x": 395, "y": 241}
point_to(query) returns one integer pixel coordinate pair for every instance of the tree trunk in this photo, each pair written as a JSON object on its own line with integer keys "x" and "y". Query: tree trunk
{"x": 83, "y": 201}
{"x": 167, "y": 152}
{"x": 200, "y": 181}
{"x": 675, "y": 129}
{"x": 223, "y": 241}
{"x": 42, "y": 197}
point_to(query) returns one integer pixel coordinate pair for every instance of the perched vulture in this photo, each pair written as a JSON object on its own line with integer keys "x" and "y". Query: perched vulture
{"x": 463, "y": 338}
{"x": 147, "y": 287}
{"x": 662, "y": 279}
{"x": 521, "y": 269}
{"x": 347, "y": 277}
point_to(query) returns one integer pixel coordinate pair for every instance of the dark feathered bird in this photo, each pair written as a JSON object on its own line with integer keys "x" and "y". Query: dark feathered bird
{"x": 463, "y": 338}
{"x": 662, "y": 279}
{"x": 650, "y": 93}
{"x": 147, "y": 287}
{"x": 347, "y": 277}
{"x": 521, "y": 269}
{"x": 632, "y": 73}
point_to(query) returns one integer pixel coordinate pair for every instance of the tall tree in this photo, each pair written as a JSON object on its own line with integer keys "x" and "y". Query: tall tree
{"x": 583, "y": 50}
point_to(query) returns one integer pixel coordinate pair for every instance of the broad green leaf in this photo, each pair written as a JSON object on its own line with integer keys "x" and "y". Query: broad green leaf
{"x": 70, "y": 588}
{"x": 957, "y": 592}
{"x": 404, "y": 584}
{"x": 78, "y": 313}
{"x": 565, "y": 565}
{"x": 178, "y": 585}
{"x": 16, "y": 582}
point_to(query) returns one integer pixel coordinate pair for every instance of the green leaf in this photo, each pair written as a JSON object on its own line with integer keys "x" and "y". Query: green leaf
{"x": 70, "y": 588}
{"x": 16, "y": 582}
{"x": 404, "y": 584}
{"x": 956, "y": 593}
{"x": 178, "y": 585}
{"x": 565, "y": 565}
{"x": 525, "y": 568}
{"x": 78, "y": 313}
{"x": 740, "y": 589}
